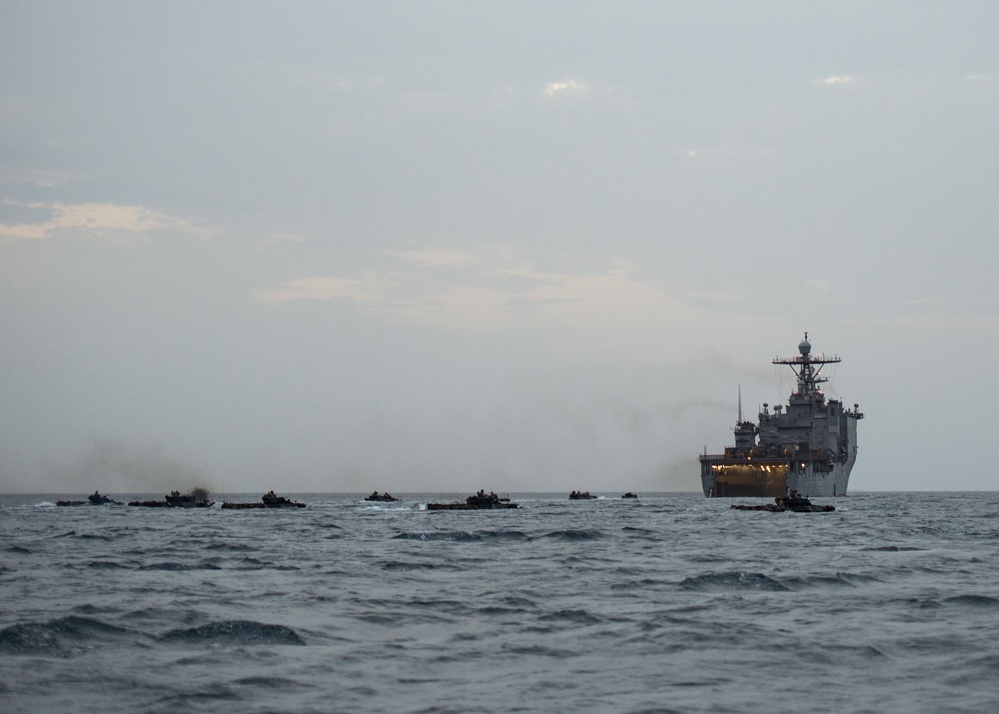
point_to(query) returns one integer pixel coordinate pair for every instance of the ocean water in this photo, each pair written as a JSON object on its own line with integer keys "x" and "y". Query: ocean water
{"x": 667, "y": 603}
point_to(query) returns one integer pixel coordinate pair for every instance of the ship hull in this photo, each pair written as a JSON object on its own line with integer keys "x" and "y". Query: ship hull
{"x": 732, "y": 478}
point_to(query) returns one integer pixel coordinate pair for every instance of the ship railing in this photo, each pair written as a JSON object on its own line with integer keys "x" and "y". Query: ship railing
{"x": 722, "y": 458}
{"x": 799, "y": 359}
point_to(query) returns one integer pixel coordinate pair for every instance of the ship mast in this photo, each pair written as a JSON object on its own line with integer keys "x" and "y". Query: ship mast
{"x": 806, "y": 368}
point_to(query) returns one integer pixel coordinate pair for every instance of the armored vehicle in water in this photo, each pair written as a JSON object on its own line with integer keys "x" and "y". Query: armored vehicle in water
{"x": 268, "y": 500}
{"x": 477, "y": 501}
{"x": 809, "y": 448}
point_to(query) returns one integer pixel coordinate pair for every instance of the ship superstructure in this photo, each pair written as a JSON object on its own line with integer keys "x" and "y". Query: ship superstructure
{"x": 809, "y": 447}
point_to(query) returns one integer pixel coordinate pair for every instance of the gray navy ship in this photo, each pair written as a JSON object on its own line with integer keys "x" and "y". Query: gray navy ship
{"x": 809, "y": 448}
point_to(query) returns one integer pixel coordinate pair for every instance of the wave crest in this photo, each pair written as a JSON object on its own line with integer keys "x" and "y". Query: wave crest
{"x": 63, "y": 637}
{"x": 234, "y": 632}
{"x": 735, "y": 580}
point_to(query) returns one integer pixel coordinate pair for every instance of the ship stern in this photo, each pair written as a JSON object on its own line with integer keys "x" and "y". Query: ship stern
{"x": 723, "y": 477}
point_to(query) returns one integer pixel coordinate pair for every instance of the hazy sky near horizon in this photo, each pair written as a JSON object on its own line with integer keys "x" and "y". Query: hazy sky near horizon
{"x": 520, "y": 246}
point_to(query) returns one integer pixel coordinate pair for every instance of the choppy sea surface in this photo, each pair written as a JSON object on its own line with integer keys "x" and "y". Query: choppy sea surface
{"x": 665, "y": 603}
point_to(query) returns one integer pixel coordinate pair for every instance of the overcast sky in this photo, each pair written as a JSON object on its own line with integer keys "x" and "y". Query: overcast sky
{"x": 520, "y": 246}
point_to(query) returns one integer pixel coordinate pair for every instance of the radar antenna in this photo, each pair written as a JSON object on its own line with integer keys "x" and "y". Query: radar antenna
{"x": 806, "y": 368}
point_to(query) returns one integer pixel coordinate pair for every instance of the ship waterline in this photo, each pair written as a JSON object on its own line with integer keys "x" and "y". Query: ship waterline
{"x": 810, "y": 447}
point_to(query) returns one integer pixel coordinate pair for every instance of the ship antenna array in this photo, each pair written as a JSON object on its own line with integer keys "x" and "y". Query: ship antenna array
{"x": 806, "y": 367}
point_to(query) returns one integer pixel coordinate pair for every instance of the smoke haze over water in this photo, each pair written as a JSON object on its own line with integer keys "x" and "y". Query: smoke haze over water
{"x": 111, "y": 466}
